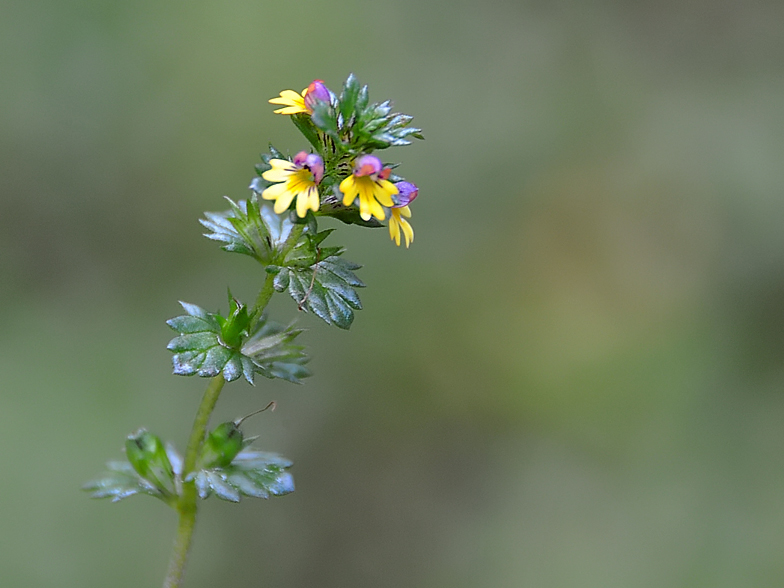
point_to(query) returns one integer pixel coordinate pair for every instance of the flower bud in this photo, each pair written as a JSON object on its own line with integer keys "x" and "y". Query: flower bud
{"x": 316, "y": 92}
{"x": 222, "y": 445}
{"x": 406, "y": 193}
{"x": 148, "y": 457}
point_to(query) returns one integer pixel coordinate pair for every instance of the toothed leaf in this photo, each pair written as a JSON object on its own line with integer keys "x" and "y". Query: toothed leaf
{"x": 121, "y": 481}
{"x": 249, "y": 227}
{"x": 201, "y": 348}
{"x": 252, "y": 473}
{"x": 326, "y": 288}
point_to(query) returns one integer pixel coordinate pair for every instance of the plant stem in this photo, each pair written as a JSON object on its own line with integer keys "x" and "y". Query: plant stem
{"x": 186, "y": 505}
{"x": 268, "y": 290}
{"x": 291, "y": 240}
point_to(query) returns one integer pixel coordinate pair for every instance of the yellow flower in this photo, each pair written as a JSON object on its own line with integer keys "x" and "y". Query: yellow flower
{"x": 298, "y": 179}
{"x": 295, "y": 103}
{"x": 369, "y": 183}
{"x": 397, "y": 224}
{"x": 406, "y": 193}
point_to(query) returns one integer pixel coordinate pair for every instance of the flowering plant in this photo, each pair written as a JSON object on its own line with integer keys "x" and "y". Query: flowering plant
{"x": 338, "y": 176}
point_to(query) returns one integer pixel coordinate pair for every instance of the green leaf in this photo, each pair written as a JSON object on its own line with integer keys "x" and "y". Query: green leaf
{"x": 362, "y": 98}
{"x": 121, "y": 481}
{"x": 147, "y": 455}
{"x": 249, "y": 228}
{"x": 275, "y": 153}
{"x": 346, "y": 214}
{"x": 325, "y": 119}
{"x": 274, "y": 353}
{"x": 348, "y": 98}
{"x": 375, "y": 126}
{"x": 252, "y": 473}
{"x": 307, "y": 128}
{"x": 326, "y": 288}
{"x": 205, "y": 352}
{"x": 241, "y": 229}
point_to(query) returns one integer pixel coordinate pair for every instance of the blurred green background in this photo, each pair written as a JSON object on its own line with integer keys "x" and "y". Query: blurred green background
{"x": 574, "y": 376}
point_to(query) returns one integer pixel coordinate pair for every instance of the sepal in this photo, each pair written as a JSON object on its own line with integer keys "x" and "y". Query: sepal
{"x": 348, "y": 98}
{"x": 221, "y": 446}
{"x": 225, "y": 441}
{"x": 146, "y": 454}
{"x": 333, "y": 206}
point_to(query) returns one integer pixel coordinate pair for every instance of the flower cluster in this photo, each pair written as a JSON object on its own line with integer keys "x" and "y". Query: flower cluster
{"x": 341, "y": 177}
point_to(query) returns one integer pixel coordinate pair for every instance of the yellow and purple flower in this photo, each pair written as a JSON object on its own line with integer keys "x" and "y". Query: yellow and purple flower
{"x": 397, "y": 224}
{"x": 298, "y": 179}
{"x": 295, "y": 103}
{"x": 369, "y": 182}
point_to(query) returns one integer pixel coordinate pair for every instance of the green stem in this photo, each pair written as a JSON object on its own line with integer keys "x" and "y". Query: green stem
{"x": 291, "y": 241}
{"x": 182, "y": 544}
{"x": 186, "y": 505}
{"x": 268, "y": 289}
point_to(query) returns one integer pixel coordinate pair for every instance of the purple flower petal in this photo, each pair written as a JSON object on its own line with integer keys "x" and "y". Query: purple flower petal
{"x": 367, "y": 165}
{"x": 317, "y": 92}
{"x": 406, "y": 193}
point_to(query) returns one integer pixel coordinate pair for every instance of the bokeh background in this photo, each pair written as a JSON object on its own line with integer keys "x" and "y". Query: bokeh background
{"x": 574, "y": 377}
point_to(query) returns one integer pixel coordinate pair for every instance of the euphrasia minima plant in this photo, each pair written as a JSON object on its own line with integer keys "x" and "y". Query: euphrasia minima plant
{"x": 337, "y": 175}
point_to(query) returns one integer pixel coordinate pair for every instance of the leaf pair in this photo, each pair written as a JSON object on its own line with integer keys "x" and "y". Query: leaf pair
{"x": 251, "y": 473}
{"x": 315, "y": 276}
{"x": 201, "y": 350}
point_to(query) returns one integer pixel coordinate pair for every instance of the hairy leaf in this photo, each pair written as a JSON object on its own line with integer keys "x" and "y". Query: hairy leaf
{"x": 121, "y": 481}
{"x": 326, "y": 288}
{"x": 252, "y": 473}
{"x": 307, "y": 128}
{"x": 202, "y": 349}
{"x": 348, "y": 97}
{"x": 274, "y": 353}
{"x": 325, "y": 119}
{"x": 249, "y": 227}
{"x": 375, "y": 126}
